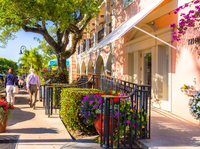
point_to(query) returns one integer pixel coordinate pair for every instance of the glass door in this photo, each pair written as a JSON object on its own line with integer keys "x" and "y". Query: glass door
{"x": 147, "y": 68}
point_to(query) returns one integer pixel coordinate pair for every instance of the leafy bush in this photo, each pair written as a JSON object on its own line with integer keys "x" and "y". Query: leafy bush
{"x": 70, "y": 106}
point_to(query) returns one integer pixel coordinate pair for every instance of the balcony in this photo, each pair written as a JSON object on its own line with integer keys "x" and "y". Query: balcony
{"x": 79, "y": 50}
{"x": 91, "y": 42}
{"x": 100, "y": 35}
{"x": 84, "y": 46}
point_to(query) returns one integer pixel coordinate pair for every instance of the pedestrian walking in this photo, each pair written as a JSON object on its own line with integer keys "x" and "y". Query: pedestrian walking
{"x": 32, "y": 85}
{"x": 10, "y": 80}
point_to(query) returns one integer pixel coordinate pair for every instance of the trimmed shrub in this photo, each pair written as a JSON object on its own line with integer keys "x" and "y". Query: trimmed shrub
{"x": 71, "y": 99}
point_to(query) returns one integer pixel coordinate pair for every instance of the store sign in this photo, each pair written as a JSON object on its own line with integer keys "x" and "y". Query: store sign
{"x": 190, "y": 41}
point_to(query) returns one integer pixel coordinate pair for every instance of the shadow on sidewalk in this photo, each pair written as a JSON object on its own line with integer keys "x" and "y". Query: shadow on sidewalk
{"x": 33, "y": 130}
{"x": 19, "y": 116}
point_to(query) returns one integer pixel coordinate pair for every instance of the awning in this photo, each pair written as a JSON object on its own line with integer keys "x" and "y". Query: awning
{"x": 127, "y": 25}
{"x": 54, "y": 62}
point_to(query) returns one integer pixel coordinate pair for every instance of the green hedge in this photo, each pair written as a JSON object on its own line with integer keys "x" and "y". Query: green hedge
{"x": 70, "y": 102}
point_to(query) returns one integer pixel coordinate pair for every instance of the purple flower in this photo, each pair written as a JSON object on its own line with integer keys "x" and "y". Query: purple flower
{"x": 95, "y": 106}
{"x": 124, "y": 93}
{"x": 95, "y": 99}
{"x": 91, "y": 101}
{"x": 134, "y": 126}
{"x": 173, "y": 25}
{"x": 87, "y": 97}
{"x": 92, "y": 95}
{"x": 99, "y": 101}
{"x": 89, "y": 91}
{"x": 96, "y": 96}
{"x": 127, "y": 99}
{"x": 120, "y": 95}
{"x": 186, "y": 5}
{"x": 195, "y": 2}
{"x": 127, "y": 121}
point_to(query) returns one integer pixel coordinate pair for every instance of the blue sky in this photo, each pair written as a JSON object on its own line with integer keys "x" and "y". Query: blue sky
{"x": 12, "y": 50}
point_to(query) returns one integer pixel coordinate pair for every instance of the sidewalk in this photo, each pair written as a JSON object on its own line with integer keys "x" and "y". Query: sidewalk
{"x": 33, "y": 129}
{"x": 169, "y": 131}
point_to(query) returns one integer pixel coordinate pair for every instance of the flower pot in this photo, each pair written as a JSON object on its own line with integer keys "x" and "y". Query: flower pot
{"x": 4, "y": 123}
{"x": 90, "y": 85}
{"x": 97, "y": 125}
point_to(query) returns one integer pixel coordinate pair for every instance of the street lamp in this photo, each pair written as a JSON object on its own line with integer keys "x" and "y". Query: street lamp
{"x": 21, "y": 49}
{"x": 49, "y": 70}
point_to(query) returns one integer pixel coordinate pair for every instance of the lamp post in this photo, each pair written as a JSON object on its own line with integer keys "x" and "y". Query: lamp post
{"x": 49, "y": 70}
{"x": 21, "y": 49}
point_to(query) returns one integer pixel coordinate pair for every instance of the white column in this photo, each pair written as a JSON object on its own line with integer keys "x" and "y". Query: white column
{"x": 96, "y": 29}
{"x": 106, "y": 26}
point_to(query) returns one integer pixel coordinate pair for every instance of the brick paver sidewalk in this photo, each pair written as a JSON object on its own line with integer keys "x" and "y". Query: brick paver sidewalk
{"x": 33, "y": 128}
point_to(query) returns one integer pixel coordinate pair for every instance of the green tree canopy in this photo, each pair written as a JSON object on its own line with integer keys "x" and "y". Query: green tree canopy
{"x": 31, "y": 57}
{"x": 67, "y": 16}
{"x": 6, "y": 64}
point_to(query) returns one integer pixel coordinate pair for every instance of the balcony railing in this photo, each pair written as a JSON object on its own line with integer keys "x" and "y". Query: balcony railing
{"x": 84, "y": 46}
{"x": 110, "y": 27}
{"x": 100, "y": 34}
{"x": 79, "y": 49}
{"x": 91, "y": 42}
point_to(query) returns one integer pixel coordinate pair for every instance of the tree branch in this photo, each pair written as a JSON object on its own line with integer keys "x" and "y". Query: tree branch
{"x": 66, "y": 40}
{"x": 31, "y": 29}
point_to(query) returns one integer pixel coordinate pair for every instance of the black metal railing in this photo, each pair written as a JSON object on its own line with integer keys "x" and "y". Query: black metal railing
{"x": 79, "y": 49}
{"x": 100, "y": 34}
{"x": 91, "y": 42}
{"x": 110, "y": 27}
{"x": 84, "y": 46}
{"x": 138, "y": 98}
{"x": 133, "y": 109}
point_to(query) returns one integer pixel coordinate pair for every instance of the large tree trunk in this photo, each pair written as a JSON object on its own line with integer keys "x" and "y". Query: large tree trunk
{"x": 61, "y": 63}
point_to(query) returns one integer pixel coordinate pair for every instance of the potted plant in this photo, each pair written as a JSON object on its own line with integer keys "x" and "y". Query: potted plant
{"x": 90, "y": 83}
{"x": 91, "y": 111}
{"x": 5, "y": 113}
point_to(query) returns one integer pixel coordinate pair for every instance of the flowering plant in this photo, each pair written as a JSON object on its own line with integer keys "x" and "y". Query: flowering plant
{"x": 194, "y": 104}
{"x": 5, "y": 107}
{"x": 90, "y": 108}
{"x": 191, "y": 19}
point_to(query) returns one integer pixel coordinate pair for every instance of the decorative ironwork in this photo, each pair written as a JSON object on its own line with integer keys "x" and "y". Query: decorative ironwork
{"x": 91, "y": 42}
{"x": 139, "y": 100}
{"x": 100, "y": 34}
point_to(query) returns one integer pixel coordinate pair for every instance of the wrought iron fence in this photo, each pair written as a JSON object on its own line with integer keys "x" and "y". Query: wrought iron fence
{"x": 135, "y": 123}
{"x": 133, "y": 109}
{"x": 100, "y": 34}
{"x": 91, "y": 42}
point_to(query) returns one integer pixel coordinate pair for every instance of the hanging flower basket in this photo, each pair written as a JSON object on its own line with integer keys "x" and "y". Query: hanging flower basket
{"x": 189, "y": 90}
{"x": 194, "y": 104}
